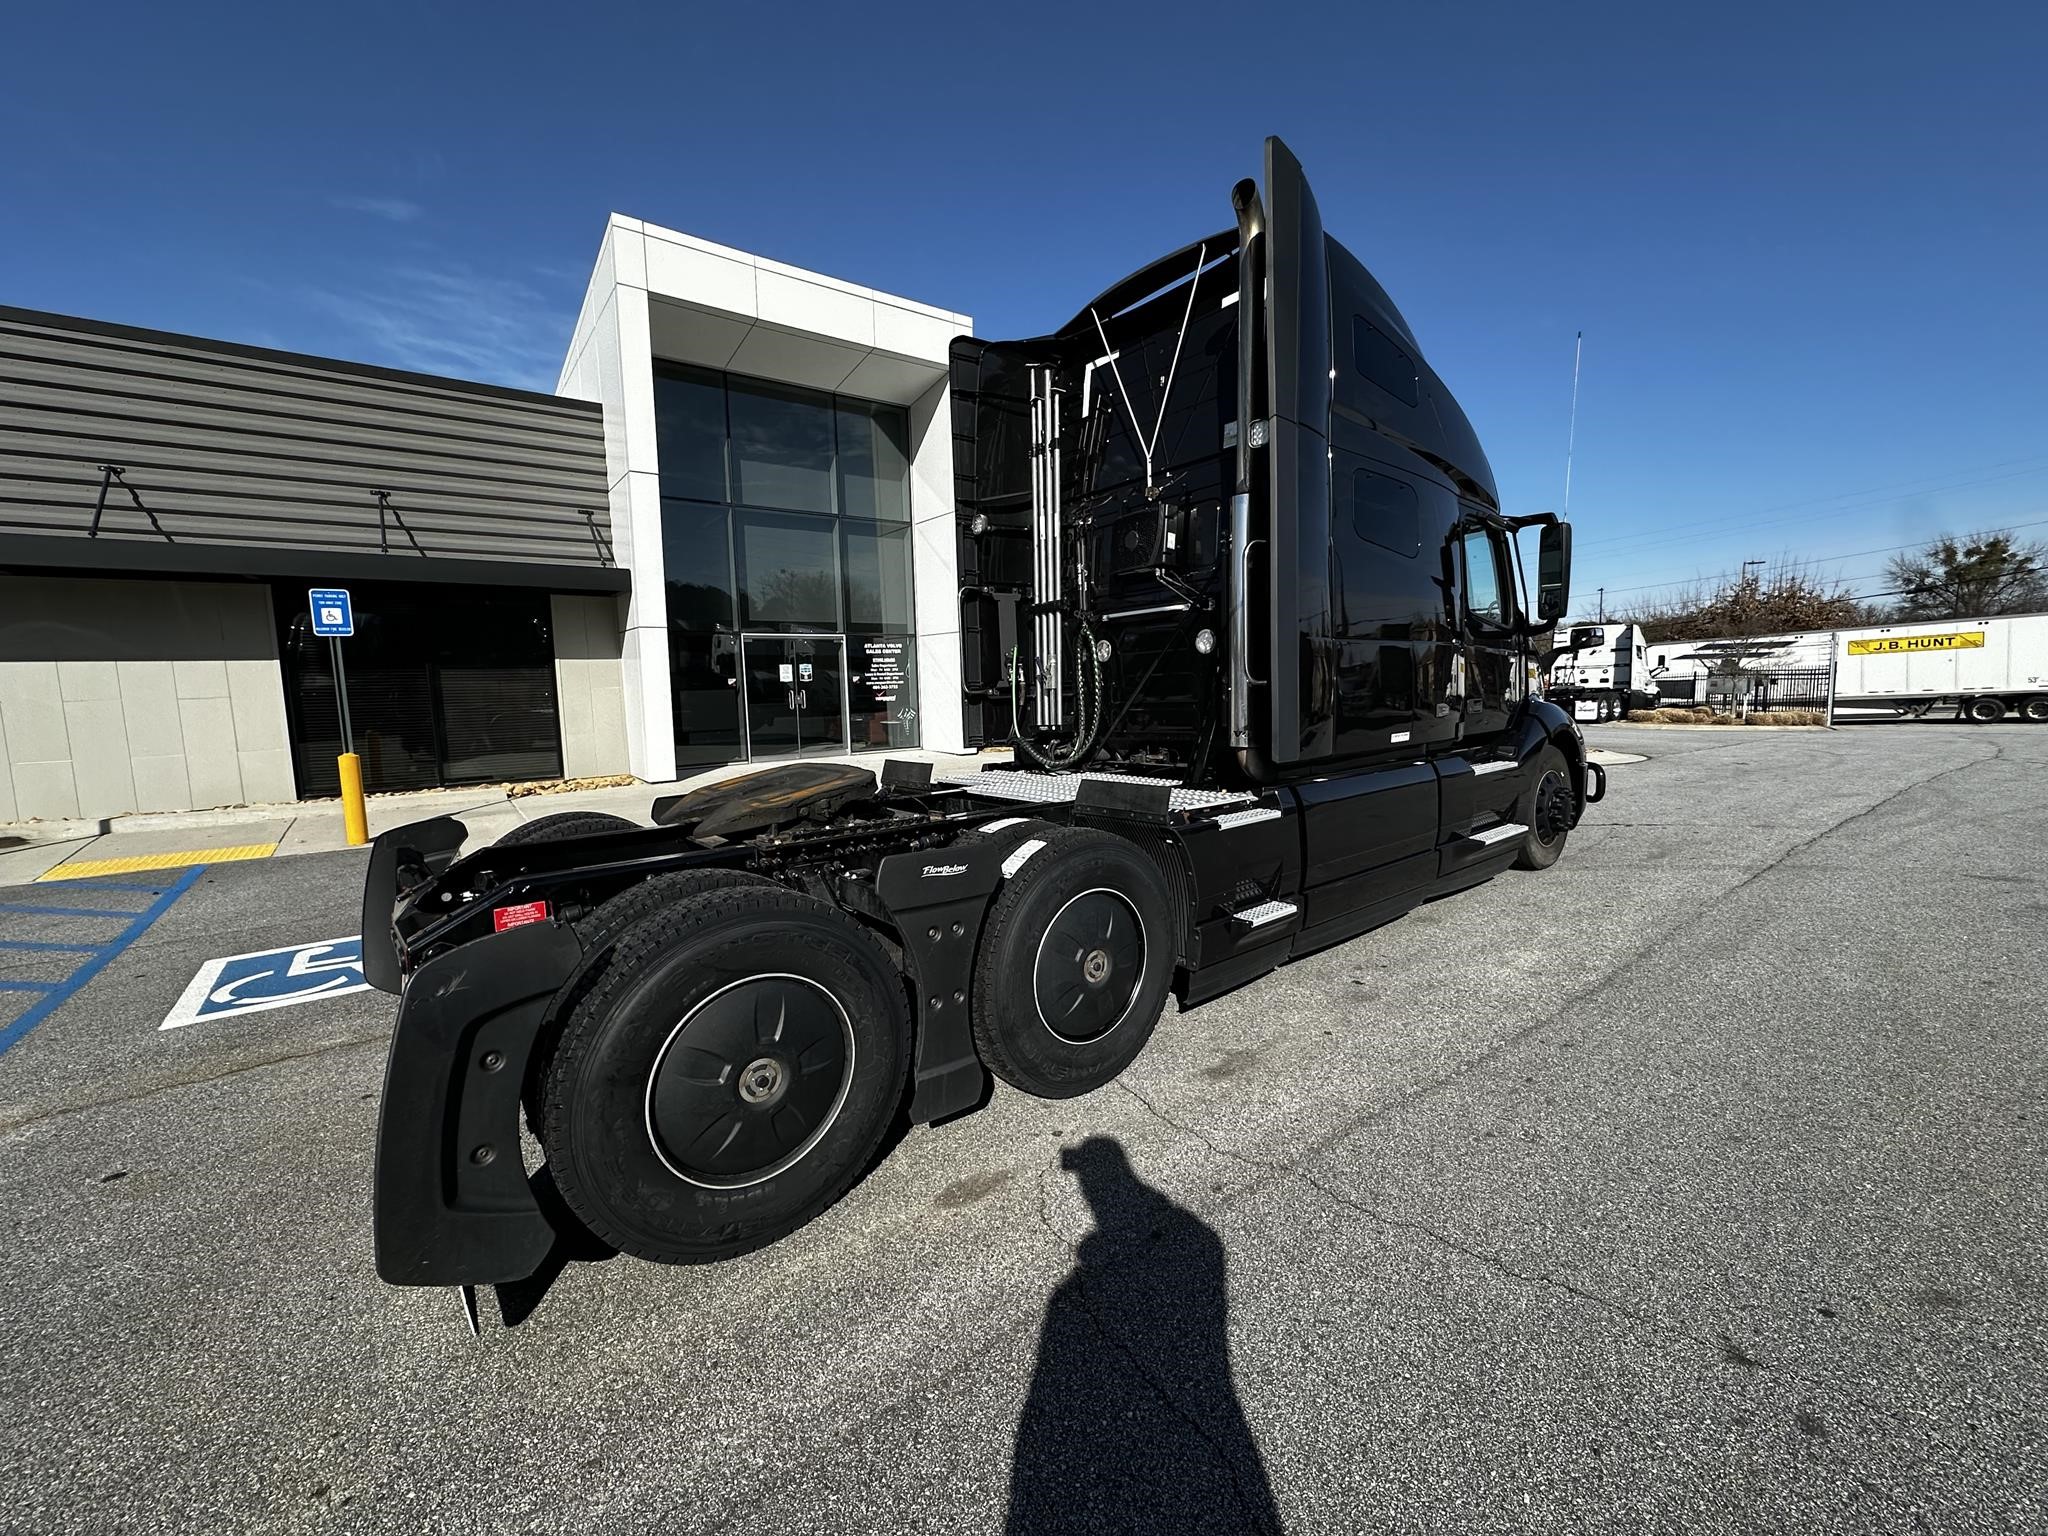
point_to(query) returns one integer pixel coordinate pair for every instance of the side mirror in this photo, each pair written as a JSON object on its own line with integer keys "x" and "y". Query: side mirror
{"x": 1554, "y": 572}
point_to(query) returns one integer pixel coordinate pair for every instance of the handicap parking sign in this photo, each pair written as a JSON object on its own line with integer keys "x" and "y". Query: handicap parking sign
{"x": 333, "y": 615}
{"x": 270, "y": 978}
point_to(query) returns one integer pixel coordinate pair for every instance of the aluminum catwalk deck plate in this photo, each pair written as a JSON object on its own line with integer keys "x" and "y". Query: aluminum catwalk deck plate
{"x": 1063, "y": 788}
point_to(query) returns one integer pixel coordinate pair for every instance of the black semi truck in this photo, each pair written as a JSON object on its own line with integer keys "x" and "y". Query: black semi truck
{"x": 1240, "y": 592}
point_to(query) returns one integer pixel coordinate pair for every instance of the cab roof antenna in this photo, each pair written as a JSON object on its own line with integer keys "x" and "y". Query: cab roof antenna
{"x": 1572, "y": 432}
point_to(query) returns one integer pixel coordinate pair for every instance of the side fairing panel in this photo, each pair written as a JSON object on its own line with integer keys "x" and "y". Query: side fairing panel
{"x": 1303, "y": 684}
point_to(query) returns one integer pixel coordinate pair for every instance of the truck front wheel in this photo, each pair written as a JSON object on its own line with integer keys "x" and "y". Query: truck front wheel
{"x": 1074, "y": 964}
{"x": 728, "y": 1078}
{"x": 1546, "y": 809}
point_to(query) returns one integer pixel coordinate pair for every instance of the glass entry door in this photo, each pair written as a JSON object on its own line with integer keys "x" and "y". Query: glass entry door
{"x": 796, "y": 694}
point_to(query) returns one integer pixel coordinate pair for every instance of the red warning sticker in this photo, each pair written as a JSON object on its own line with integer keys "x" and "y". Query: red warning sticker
{"x": 519, "y": 916}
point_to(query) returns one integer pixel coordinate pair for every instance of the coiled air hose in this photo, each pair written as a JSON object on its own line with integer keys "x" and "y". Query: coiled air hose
{"x": 1092, "y": 713}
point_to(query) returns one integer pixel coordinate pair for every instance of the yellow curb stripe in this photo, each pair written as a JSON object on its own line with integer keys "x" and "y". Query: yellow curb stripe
{"x": 86, "y": 869}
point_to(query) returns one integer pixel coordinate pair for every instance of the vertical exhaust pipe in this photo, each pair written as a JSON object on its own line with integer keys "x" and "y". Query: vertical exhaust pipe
{"x": 1251, "y": 357}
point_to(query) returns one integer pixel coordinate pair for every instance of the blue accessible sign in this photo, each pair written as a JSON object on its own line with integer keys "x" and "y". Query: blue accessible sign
{"x": 333, "y": 616}
{"x": 270, "y": 978}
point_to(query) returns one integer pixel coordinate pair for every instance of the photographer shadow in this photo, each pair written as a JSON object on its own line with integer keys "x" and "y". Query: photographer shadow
{"x": 1132, "y": 1422}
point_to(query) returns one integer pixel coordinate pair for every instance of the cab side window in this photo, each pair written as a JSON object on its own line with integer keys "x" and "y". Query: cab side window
{"x": 1484, "y": 589}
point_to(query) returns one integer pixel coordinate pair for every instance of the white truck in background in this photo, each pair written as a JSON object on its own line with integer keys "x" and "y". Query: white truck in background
{"x": 1985, "y": 668}
{"x": 1604, "y": 675}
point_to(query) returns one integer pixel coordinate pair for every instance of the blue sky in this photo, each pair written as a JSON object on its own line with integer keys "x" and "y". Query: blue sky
{"x": 1806, "y": 243}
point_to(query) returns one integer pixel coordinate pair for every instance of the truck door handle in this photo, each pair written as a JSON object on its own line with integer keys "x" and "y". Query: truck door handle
{"x": 803, "y": 699}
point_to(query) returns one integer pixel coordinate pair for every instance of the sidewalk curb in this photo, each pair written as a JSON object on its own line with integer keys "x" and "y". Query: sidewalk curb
{"x": 313, "y": 820}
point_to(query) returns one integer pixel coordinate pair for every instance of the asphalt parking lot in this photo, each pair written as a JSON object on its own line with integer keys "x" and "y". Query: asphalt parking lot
{"x": 1696, "y": 1184}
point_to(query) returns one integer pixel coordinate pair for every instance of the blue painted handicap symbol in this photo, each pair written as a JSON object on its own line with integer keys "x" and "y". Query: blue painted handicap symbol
{"x": 270, "y": 978}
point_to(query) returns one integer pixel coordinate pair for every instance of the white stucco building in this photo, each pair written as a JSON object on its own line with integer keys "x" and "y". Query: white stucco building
{"x": 778, "y": 447}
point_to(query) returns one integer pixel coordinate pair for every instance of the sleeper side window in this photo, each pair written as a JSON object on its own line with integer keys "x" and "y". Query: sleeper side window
{"x": 1385, "y": 511}
{"x": 1380, "y": 358}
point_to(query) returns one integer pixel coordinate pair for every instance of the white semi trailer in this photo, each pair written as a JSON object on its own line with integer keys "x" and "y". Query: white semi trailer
{"x": 1985, "y": 668}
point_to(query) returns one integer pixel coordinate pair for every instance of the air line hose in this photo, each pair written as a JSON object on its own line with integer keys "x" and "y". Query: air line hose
{"x": 1092, "y": 713}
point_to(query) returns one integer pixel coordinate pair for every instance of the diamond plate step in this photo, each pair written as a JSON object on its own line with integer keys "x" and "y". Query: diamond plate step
{"x": 1499, "y": 834}
{"x": 1246, "y": 818}
{"x": 1265, "y": 912}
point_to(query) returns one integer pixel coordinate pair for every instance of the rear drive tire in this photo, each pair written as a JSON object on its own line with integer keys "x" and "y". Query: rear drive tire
{"x": 2035, "y": 709}
{"x": 1074, "y": 964}
{"x": 1986, "y": 711}
{"x": 1546, "y": 808}
{"x": 562, "y": 826}
{"x": 728, "y": 1078}
{"x": 598, "y": 933}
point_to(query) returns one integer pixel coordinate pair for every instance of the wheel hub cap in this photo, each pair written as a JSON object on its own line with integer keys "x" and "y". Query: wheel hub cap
{"x": 1553, "y": 807}
{"x": 763, "y": 1080}
{"x": 1089, "y": 965}
{"x": 749, "y": 1081}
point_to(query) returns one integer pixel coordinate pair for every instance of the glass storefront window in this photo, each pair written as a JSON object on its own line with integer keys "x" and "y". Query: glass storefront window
{"x": 877, "y": 579}
{"x": 784, "y": 511}
{"x": 788, "y": 571}
{"x": 696, "y": 559}
{"x": 874, "y": 463}
{"x": 704, "y": 683}
{"x": 689, "y": 432}
{"x": 781, "y": 447}
{"x": 881, "y": 690}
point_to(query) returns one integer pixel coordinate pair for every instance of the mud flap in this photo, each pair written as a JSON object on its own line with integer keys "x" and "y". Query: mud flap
{"x": 452, "y": 1202}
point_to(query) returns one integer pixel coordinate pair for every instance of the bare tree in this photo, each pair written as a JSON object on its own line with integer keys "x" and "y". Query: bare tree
{"x": 1786, "y": 599}
{"x": 1973, "y": 577}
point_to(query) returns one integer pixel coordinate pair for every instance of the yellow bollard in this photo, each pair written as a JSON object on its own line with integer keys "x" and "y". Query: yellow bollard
{"x": 355, "y": 816}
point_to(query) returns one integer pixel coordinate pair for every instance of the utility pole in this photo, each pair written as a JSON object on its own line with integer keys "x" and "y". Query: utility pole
{"x": 1603, "y": 605}
{"x": 1744, "y": 681}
